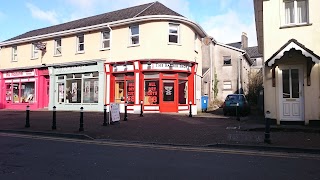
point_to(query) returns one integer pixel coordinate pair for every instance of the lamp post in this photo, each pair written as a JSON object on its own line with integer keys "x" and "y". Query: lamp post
{"x": 141, "y": 108}
{"x": 190, "y": 109}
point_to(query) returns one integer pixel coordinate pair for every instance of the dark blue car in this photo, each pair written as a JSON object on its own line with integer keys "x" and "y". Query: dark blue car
{"x": 234, "y": 100}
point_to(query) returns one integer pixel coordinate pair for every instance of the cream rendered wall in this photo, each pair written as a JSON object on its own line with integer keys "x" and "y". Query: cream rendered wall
{"x": 153, "y": 44}
{"x": 274, "y": 38}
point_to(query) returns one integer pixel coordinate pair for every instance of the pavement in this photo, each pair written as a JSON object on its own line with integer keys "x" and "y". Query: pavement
{"x": 210, "y": 129}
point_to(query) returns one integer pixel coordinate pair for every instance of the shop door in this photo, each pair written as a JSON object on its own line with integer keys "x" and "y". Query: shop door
{"x": 168, "y": 102}
{"x": 291, "y": 93}
{"x": 46, "y": 94}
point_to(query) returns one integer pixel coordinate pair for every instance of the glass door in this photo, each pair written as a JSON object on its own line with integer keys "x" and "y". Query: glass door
{"x": 169, "y": 99}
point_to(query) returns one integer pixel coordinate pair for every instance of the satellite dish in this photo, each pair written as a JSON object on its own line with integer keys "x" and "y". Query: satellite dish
{"x": 207, "y": 41}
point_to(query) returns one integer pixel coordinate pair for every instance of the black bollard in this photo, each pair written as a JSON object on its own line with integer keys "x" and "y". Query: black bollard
{"x": 81, "y": 119}
{"x": 27, "y": 117}
{"x": 237, "y": 112}
{"x": 105, "y": 123}
{"x": 125, "y": 112}
{"x": 141, "y": 108}
{"x": 54, "y": 122}
{"x": 267, "y": 129}
{"x": 190, "y": 109}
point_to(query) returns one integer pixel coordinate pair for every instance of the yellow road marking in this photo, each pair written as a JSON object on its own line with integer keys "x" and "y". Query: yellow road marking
{"x": 171, "y": 148}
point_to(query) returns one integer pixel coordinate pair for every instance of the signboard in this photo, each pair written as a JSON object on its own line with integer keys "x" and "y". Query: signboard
{"x": 115, "y": 112}
{"x": 70, "y": 69}
{"x": 168, "y": 66}
{"x": 18, "y": 74}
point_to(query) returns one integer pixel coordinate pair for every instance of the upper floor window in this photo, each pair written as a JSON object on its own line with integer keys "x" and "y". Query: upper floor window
{"x": 173, "y": 33}
{"x": 14, "y": 53}
{"x": 227, "y": 85}
{"x": 105, "y": 40}
{"x": 296, "y": 11}
{"x": 80, "y": 43}
{"x": 196, "y": 42}
{"x": 34, "y": 51}
{"x": 57, "y": 47}
{"x": 134, "y": 35}
{"x": 226, "y": 60}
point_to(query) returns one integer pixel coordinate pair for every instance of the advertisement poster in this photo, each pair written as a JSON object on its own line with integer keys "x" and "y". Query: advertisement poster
{"x": 152, "y": 92}
{"x": 130, "y": 93}
{"x": 61, "y": 92}
{"x": 74, "y": 92}
{"x": 96, "y": 91}
{"x": 87, "y": 91}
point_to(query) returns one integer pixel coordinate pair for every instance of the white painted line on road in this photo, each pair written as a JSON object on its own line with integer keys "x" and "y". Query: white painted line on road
{"x": 171, "y": 148}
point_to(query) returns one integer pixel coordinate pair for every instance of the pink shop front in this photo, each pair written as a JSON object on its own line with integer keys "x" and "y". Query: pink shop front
{"x": 20, "y": 88}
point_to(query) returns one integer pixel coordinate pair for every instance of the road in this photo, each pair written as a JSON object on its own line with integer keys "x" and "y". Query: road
{"x": 35, "y": 157}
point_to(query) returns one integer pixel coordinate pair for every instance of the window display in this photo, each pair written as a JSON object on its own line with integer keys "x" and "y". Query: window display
{"x": 183, "y": 91}
{"x": 78, "y": 88}
{"x": 22, "y": 92}
{"x": 151, "y": 92}
{"x": 130, "y": 92}
{"x": 119, "y": 91}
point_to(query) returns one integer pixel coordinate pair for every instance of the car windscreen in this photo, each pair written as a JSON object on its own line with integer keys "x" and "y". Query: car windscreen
{"x": 234, "y": 98}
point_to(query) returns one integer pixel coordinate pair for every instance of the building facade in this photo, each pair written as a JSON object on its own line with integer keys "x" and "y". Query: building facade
{"x": 289, "y": 40}
{"x": 144, "y": 54}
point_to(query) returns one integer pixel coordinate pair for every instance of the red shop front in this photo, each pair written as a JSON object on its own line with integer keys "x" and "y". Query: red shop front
{"x": 161, "y": 86}
{"x": 24, "y": 87}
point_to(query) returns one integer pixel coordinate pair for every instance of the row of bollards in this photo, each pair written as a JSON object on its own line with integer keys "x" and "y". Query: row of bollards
{"x": 81, "y": 128}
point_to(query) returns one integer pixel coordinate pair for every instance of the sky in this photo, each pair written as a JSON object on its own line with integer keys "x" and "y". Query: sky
{"x": 224, "y": 20}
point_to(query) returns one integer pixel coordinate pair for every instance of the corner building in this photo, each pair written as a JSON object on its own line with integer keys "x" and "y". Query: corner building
{"x": 145, "y": 54}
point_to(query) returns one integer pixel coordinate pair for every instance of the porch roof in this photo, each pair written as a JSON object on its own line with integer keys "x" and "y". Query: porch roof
{"x": 292, "y": 44}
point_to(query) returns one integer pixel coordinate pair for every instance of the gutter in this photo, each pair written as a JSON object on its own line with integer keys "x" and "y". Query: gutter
{"x": 186, "y": 21}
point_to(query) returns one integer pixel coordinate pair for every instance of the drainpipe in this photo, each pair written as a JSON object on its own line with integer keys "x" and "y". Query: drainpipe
{"x": 110, "y": 42}
{"x": 239, "y": 82}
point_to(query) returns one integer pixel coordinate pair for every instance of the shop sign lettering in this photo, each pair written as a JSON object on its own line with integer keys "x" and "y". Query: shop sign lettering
{"x": 70, "y": 69}
{"x": 174, "y": 66}
{"x": 18, "y": 74}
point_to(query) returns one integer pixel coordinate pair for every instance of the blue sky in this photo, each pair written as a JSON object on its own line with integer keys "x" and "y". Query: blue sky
{"x": 224, "y": 20}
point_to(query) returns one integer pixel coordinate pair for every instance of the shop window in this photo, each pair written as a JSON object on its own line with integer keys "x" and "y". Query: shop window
{"x": 61, "y": 93}
{"x": 91, "y": 91}
{"x": 130, "y": 92}
{"x": 73, "y": 90}
{"x": 183, "y": 92}
{"x": 20, "y": 92}
{"x": 27, "y": 92}
{"x": 119, "y": 91}
{"x": 151, "y": 94}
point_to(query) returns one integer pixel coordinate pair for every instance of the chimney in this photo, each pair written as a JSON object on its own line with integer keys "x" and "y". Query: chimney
{"x": 244, "y": 40}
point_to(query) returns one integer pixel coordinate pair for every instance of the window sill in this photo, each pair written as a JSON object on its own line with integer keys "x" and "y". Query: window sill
{"x": 57, "y": 55}
{"x": 104, "y": 49}
{"x": 14, "y": 60}
{"x": 34, "y": 58}
{"x": 80, "y": 52}
{"x": 295, "y": 25}
{"x": 177, "y": 44}
{"x": 133, "y": 45}
{"x": 227, "y": 65}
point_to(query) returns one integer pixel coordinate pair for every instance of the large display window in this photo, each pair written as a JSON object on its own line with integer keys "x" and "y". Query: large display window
{"x": 78, "y": 88}
{"x": 124, "y": 88}
{"x": 20, "y": 92}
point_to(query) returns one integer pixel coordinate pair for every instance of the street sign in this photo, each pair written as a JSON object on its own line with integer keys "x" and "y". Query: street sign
{"x": 115, "y": 112}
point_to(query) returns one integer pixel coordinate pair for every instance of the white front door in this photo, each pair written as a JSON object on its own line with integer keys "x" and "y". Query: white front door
{"x": 291, "y": 101}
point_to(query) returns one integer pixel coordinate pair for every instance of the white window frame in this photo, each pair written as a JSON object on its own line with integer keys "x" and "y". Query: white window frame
{"x": 78, "y": 43}
{"x": 227, "y": 83}
{"x": 295, "y": 12}
{"x": 224, "y": 57}
{"x": 14, "y": 57}
{"x": 135, "y": 35}
{"x": 56, "y": 47}
{"x": 34, "y": 51}
{"x": 104, "y": 40}
{"x": 196, "y": 42}
{"x": 174, "y": 34}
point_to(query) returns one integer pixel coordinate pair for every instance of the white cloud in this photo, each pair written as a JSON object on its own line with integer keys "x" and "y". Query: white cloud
{"x": 228, "y": 27}
{"x": 50, "y": 16}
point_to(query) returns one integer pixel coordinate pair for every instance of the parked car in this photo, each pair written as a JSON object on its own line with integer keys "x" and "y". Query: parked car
{"x": 230, "y": 104}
